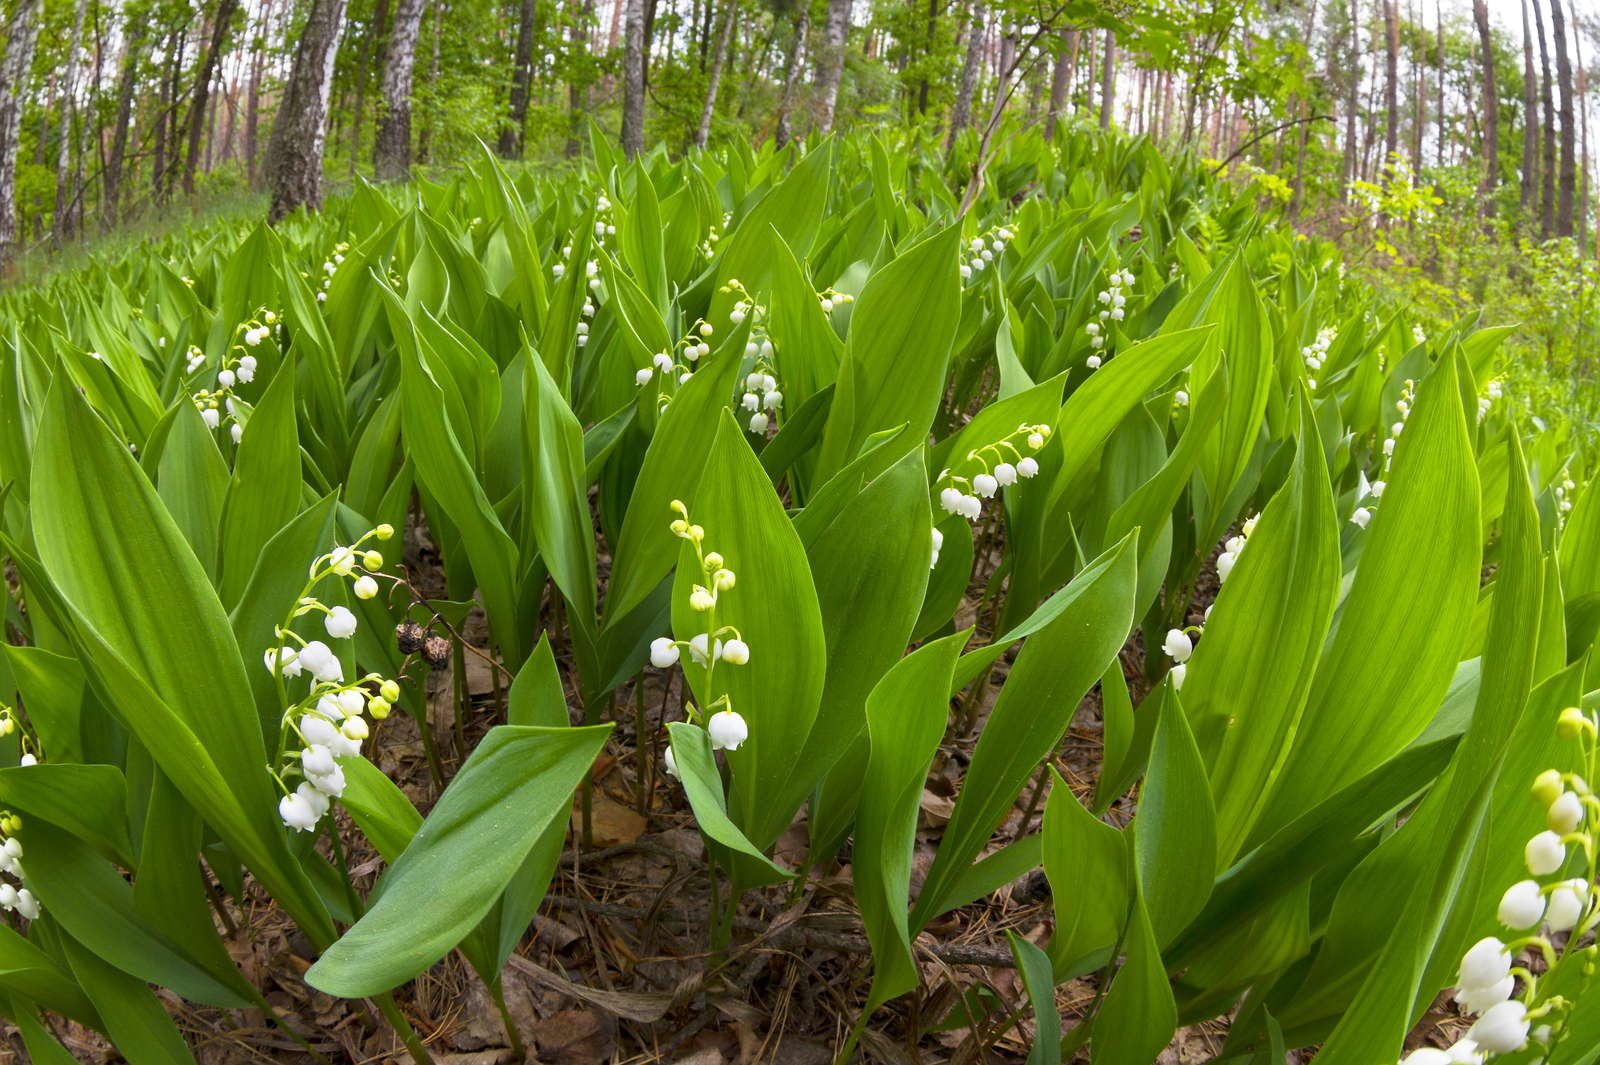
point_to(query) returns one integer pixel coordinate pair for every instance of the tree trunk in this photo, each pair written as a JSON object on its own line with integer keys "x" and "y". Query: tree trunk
{"x": 521, "y": 83}
{"x": 830, "y": 63}
{"x": 61, "y": 220}
{"x": 719, "y": 58}
{"x": 633, "y": 31}
{"x": 578, "y": 94}
{"x": 202, "y": 88}
{"x": 1352, "y": 156}
{"x": 1438, "y": 12}
{"x": 111, "y": 188}
{"x": 1391, "y": 79}
{"x": 1568, "y": 178}
{"x": 1108, "y": 81}
{"x": 1491, "y": 111}
{"x": 252, "y": 114}
{"x": 293, "y": 164}
{"x": 373, "y": 38}
{"x": 1547, "y": 172}
{"x": 791, "y": 77}
{"x": 391, "y": 148}
{"x": 1530, "y": 121}
{"x": 961, "y": 112}
{"x": 1060, "y": 75}
{"x": 15, "y": 74}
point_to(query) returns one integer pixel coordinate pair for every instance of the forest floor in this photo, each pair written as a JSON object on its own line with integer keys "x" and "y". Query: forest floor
{"x": 616, "y": 968}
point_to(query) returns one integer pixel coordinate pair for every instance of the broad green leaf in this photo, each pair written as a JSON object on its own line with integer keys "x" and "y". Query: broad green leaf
{"x": 1054, "y": 671}
{"x": 1034, "y": 965}
{"x": 906, "y": 717}
{"x": 266, "y": 488}
{"x": 1175, "y": 831}
{"x": 108, "y": 542}
{"x": 697, "y": 768}
{"x": 517, "y": 782}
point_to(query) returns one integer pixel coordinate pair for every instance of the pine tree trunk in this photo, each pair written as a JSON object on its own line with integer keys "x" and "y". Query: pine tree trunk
{"x": 791, "y": 77}
{"x": 633, "y": 31}
{"x": 719, "y": 58}
{"x": 1108, "y": 81}
{"x": 1391, "y": 79}
{"x": 521, "y": 83}
{"x": 15, "y": 74}
{"x": 61, "y": 219}
{"x": 370, "y": 41}
{"x": 961, "y": 112}
{"x": 830, "y": 63}
{"x": 252, "y": 114}
{"x": 1491, "y": 111}
{"x": 293, "y": 165}
{"x": 111, "y": 189}
{"x": 1547, "y": 107}
{"x": 1568, "y": 177}
{"x": 202, "y": 88}
{"x": 1530, "y": 121}
{"x": 1352, "y": 156}
{"x": 578, "y": 94}
{"x": 391, "y": 147}
{"x": 1060, "y": 75}
{"x": 1438, "y": 11}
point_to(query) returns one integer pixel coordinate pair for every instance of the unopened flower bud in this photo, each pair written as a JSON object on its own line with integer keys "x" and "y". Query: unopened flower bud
{"x": 736, "y": 652}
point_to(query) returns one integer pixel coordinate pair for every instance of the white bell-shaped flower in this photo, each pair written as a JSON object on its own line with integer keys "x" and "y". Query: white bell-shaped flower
{"x": 351, "y": 701}
{"x": 938, "y": 542}
{"x": 663, "y": 652}
{"x": 318, "y": 730}
{"x": 985, "y": 485}
{"x": 1027, "y": 467}
{"x": 290, "y": 658}
{"x": 1485, "y": 964}
{"x": 322, "y": 662}
{"x": 727, "y": 730}
{"x": 697, "y": 649}
{"x": 1360, "y": 517}
{"x": 1005, "y": 473}
{"x": 1426, "y": 1056}
{"x": 1474, "y": 1000}
{"x": 365, "y": 587}
{"x": 1565, "y": 814}
{"x": 27, "y": 905}
{"x": 1567, "y": 901}
{"x": 736, "y": 652}
{"x": 1179, "y": 673}
{"x": 759, "y": 423}
{"x": 212, "y": 417}
{"x": 1522, "y": 905}
{"x": 1178, "y": 645}
{"x": 340, "y": 623}
{"x": 670, "y": 763}
{"x": 297, "y": 813}
{"x": 1502, "y": 1029}
{"x": 1544, "y": 853}
{"x": 642, "y": 377}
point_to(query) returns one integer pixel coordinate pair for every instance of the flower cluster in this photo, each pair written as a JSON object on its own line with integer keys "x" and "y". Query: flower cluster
{"x": 1316, "y": 353}
{"x": 330, "y": 266}
{"x": 691, "y": 348}
{"x": 1563, "y": 493}
{"x": 715, "y": 643}
{"x": 1113, "y": 307}
{"x": 830, "y": 298}
{"x": 1002, "y": 463}
{"x": 14, "y": 896}
{"x": 603, "y": 225}
{"x": 1402, "y": 406}
{"x": 8, "y": 727}
{"x": 1547, "y": 904}
{"x": 324, "y": 723}
{"x": 238, "y": 368}
{"x": 761, "y": 397}
{"x": 582, "y": 331}
{"x": 1492, "y": 395}
{"x": 1232, "y": 548}
{"x": 982, "y": 250}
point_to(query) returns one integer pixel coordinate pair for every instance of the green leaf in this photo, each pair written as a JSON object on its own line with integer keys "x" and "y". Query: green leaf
{"x": 697, "y": 768}
{"x": 1139, "y": 1015}
{"x": 1175, "y": 830}
{"x": 517, "y": 782}
{"x": 1054, "y": 671}
{"x": 906, "y": 717}
{"x": 1086, "y": 863}
{"x": 774, "y": 608}
{"x": 1392, "y": 657}
{"x": 1034, "y": 966}
{"x": 107, "y": 542}
{"x": 893, "y": 367}
{"x": 137, "y": 1022}
{"x": 556, "y": 501}
{"x": 266, "y": 488}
